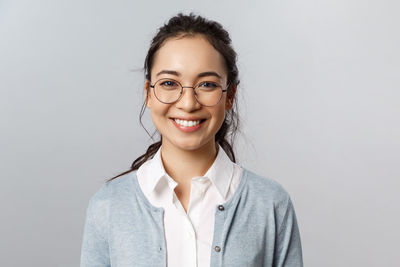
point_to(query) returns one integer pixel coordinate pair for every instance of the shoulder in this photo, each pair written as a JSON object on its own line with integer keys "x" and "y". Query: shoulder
{"x": 264, "y": 190}
{"x": 110, "y": 191}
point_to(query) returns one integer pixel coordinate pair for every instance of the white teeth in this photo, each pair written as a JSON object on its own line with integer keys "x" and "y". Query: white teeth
{"x": 186, "y": 123}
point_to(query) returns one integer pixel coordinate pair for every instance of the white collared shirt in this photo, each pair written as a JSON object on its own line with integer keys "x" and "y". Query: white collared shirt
{"x": 189, "y": 236}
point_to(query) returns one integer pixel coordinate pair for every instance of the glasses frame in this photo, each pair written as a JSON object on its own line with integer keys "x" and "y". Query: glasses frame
{"x": 194, "y": 89}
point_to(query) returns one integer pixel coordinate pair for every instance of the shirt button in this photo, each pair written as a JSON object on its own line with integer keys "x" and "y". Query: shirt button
{"x": 221, "y": 208}
{"x": 217, "y": 249}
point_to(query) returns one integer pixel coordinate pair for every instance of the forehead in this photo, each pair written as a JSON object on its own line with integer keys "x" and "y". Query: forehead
{"x": 188, "y": 56}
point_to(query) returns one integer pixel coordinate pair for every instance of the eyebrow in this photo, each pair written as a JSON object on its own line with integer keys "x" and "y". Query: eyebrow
{"x": 202, "y": 74}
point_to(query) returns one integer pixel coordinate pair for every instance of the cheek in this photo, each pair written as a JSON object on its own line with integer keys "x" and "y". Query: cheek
{"x": 219, "y": 115}
{"x": 157, "y": 112}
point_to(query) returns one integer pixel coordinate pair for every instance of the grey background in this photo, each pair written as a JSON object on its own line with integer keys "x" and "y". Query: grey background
{"x": 319, "y": 99}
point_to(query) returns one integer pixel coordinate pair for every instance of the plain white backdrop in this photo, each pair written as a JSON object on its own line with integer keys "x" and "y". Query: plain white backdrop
{"x": 319, "y": 101}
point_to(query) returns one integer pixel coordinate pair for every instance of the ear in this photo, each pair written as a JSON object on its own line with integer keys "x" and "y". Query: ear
{"x": 230, "y": 97}
{"x": 146, "y": 88}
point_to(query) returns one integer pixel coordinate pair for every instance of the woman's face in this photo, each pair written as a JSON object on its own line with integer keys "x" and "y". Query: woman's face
{"x": 187, "y": 58}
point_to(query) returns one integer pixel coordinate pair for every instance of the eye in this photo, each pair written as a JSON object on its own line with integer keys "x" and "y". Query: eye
{"x": 208, "y": 84}
{"x": 168, "y": 83}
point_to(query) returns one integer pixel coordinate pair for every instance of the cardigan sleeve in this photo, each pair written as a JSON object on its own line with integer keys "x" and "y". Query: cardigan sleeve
{"x": 288, "y": 250}
{"x": 95, "y": 249}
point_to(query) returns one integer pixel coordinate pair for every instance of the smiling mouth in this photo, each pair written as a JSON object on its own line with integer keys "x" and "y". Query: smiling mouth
{"x": 188, "y": 123}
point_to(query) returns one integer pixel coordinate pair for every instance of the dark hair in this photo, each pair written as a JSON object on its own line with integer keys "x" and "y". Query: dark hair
{"x": 191, "y": 25}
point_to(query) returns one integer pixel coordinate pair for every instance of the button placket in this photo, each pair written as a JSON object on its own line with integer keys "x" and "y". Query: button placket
{"x": 221, "y": 215}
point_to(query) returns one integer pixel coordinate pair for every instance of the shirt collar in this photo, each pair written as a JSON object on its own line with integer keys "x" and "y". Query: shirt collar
{"x": 154, "y": 171}
{"x": 220, "y": 173}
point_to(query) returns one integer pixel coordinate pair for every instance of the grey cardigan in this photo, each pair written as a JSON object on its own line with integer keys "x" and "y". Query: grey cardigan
{"x": 257, "y": 226}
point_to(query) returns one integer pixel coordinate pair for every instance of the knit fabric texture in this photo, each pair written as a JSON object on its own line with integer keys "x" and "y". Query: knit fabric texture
{"x": 256, "y": 227}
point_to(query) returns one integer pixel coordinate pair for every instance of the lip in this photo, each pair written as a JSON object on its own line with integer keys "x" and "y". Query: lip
{"x": 188, "y": 129}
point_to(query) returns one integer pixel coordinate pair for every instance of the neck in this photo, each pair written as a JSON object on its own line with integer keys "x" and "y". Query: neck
{"x": 182, "y": 165}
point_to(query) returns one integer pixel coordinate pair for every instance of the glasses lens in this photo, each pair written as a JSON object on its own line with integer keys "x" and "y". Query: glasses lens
{"x": 167, "y": 91}
{"x": 208, "y": 93}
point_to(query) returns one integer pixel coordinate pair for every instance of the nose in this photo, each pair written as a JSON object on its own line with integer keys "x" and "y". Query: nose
{"x": 188, "y": 101}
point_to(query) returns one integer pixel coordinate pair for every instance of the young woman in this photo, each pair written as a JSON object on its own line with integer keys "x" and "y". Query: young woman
{"x": 185, "y": 202}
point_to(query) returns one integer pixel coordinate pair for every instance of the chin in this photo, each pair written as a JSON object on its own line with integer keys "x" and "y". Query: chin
{"x": 192, "y": 145}
{"x": 189, "y": 146}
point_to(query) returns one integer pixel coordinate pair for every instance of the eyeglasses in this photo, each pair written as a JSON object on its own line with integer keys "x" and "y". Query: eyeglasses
{"x": 169, "y": 91}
